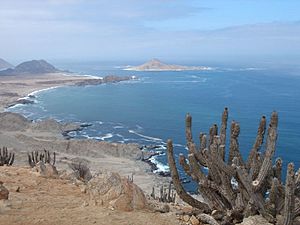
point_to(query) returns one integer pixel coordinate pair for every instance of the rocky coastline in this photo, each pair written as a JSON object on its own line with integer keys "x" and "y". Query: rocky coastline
{"x": 146, "y": 152}
{"x": 29, "y": 99}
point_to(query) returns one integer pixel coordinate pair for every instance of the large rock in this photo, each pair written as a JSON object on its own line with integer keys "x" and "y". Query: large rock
{"x": 46, "y": 170}
{"x": 255, "y": 220}
{"x": 3, "y": 191}
{"x": 110, "y": 189}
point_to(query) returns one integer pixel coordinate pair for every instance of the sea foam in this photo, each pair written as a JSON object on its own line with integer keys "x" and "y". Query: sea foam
{"x": 144, "y": 136}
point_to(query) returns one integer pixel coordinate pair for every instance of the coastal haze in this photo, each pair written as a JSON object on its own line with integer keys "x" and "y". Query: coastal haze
{"x": 104, "y": 85}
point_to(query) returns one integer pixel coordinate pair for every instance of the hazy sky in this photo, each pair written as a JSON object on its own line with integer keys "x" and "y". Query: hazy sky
{"x": 143, "y": 29}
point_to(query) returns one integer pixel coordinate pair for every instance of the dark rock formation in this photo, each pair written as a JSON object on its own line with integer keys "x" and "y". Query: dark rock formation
{"x": 22, "y": 101}
{"x": 107, "y": 79}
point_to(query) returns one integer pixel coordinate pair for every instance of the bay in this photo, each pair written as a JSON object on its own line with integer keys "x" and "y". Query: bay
{"x": 152, "y": 109}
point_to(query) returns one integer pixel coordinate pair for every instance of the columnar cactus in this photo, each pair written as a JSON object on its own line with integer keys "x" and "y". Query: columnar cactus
{"x": 255, "y": 177}
{"x": 6, "y": 157}
{"x": 35, "y": 157}
{"x": 289, "y": 202}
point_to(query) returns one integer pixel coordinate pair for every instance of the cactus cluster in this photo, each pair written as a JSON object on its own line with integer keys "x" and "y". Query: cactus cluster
{"x": 6, "y": 157}
{"x": 236, "y": 187}
{"x": 45, "y": 157}
{"x": 166, "y": 194}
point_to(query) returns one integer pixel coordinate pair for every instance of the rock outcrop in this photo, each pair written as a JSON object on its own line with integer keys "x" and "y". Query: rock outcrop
{"x": 3, "y": 191}
{"x": 106, "y": 79}
{"x": 111, "y": 190}
{"x": 46, "y": 170}
{"x": 15, "y": 122}
{"x": 93, "y": 147}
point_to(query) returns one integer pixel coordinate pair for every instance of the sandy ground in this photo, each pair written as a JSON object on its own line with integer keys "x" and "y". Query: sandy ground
{"x": 46, "y": 201}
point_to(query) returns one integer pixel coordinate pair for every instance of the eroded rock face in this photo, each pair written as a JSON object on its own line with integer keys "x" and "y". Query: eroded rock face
{"x": 110, "y": 189}
{"x": 3, "y": 191}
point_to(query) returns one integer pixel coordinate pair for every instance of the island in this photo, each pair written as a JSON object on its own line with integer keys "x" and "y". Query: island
{"x": 157, "y": 65}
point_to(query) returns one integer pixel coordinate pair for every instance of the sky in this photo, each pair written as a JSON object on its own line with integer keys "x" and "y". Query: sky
{"x": 129, "y": 30}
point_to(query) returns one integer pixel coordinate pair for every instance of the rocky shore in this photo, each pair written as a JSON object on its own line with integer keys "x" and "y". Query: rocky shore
{"x": 17, "y": 89}
{"x": 27, "y": 196}
{"x": 21, "y": 136}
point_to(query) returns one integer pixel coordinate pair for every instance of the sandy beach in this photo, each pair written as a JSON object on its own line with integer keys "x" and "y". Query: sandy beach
{"x": 13, "y": 87}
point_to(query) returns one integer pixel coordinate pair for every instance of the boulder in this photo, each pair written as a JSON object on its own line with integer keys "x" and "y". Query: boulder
{"x": 194, "y": 220}
{"x": 111, "y": 190}
{"x": 46, "y": 170}
{"x": 217, "y": 214}
{"x": 255, "y": 220}
{"x": 3, "y": 191}
{"x": 159, "y": 207}
{"x": 186, "y": 218}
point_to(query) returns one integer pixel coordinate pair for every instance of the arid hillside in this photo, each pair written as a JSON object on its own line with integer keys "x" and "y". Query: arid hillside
{"x": 34, "y": 199}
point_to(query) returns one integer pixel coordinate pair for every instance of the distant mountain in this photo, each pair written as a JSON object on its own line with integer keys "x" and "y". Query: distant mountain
{"x": 157, "y": 65}
{"x": 31, "y": 67}
{"x": 4, "y": 64}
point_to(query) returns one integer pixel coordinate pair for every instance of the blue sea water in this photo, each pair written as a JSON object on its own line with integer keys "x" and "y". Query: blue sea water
{"x": 152, "y": 109}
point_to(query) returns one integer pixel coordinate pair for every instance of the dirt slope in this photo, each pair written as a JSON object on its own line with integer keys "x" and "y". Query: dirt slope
{"x": 58, "y": 201}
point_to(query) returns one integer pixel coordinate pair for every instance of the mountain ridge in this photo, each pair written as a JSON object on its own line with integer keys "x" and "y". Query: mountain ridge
{"x": 4, "y": 64}
{"x": 31, "y": 67}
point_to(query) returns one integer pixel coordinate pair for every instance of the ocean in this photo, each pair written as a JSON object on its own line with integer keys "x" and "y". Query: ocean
{"x": 152, "y": 109}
